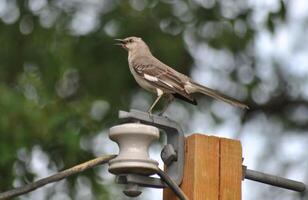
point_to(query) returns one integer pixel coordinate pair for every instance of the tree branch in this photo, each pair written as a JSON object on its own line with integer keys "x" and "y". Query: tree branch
{"x": 56, "y": 177}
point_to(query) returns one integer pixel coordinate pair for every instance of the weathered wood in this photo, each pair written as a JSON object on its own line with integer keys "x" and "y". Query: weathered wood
{"x": 212, "y": 169}
{"x": 230, "y": 169}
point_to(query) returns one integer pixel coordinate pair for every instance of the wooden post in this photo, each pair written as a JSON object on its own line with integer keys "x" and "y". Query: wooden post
{"x": 212, "y": 170}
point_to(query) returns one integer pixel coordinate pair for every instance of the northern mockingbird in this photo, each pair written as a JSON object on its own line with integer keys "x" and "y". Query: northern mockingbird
{"x": 156, "y": 77}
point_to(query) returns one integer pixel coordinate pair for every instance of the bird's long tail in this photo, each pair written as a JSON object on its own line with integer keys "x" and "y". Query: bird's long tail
{"x": 212, "y": 93}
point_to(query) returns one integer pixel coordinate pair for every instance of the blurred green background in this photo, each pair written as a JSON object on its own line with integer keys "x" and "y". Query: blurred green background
{"x": 62, "y": 82}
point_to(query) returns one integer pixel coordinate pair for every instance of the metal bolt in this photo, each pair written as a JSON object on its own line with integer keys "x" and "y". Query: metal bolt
{"x": 168, "y": 154}
{"x": 132, "y": 190}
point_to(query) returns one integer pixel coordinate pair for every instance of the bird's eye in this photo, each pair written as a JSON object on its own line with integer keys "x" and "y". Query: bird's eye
{"x": 130, "y": 40}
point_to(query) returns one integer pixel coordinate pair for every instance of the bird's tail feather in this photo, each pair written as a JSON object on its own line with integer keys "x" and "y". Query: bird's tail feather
{"x": 212, "y": 93}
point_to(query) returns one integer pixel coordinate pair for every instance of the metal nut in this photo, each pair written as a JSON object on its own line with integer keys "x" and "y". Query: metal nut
{"x": 168, "y": 154}
{"x": 132, "y": 190}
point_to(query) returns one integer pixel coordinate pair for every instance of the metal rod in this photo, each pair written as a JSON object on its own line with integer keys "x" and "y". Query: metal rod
{"x": 173, "y": 186}
{"x": 273, "y": 180}
{"x": 140, "y": 180}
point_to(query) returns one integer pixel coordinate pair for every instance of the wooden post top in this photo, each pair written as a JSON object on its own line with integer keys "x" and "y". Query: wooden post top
{"x": 212, "y": 170}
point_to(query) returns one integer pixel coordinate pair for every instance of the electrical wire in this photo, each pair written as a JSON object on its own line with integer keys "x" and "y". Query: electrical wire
{"x": 173, "y": 186}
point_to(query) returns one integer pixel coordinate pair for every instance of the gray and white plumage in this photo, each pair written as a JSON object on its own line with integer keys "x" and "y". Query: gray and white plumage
{"x": 157, "y": 77}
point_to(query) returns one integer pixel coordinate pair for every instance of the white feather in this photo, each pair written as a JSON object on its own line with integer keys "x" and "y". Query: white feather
{"x": 150, "y": 78}
{"x": 167, "y": 83}
{"x": 189, "y": 88}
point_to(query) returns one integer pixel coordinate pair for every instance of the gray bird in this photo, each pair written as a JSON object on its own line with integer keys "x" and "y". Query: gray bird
{"x": 156, "y": 77}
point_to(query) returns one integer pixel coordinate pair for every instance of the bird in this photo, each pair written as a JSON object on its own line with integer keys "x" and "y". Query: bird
{"x": 156, "y": 77}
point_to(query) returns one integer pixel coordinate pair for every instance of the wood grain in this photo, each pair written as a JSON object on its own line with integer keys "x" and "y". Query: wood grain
{"x": 230, "y": 169}
{"x": 212, "y": 169}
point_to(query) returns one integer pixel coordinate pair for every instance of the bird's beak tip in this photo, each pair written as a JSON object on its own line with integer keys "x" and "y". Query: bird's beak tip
{"x": 121, "y": 42}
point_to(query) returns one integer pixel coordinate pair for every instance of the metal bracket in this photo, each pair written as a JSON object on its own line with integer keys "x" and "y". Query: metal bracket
{"x": 144, "y": 181}
{"x": 173, "y": 153}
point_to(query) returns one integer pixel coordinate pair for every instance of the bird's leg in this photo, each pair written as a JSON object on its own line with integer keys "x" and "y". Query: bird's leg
{"x": 155, "y": 102}
{"x": 170, "y": 98}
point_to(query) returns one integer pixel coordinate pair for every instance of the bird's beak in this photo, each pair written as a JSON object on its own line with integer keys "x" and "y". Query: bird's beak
{"x": 121, "y": 42}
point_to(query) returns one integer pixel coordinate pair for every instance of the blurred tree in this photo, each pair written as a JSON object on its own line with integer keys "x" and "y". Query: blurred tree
{"x": 62, "y": 80}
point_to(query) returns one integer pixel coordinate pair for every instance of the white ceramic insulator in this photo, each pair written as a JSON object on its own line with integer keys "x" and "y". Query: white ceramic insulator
{"x": 134, "y": 140}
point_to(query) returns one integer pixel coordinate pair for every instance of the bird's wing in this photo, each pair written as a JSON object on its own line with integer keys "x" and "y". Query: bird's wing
{"x": 163, "y": 78}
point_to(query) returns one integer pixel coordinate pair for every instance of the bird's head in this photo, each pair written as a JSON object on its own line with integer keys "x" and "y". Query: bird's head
{"x": 131, "y": 43}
